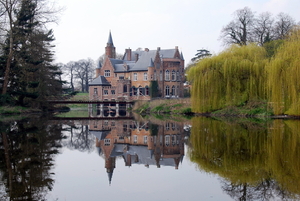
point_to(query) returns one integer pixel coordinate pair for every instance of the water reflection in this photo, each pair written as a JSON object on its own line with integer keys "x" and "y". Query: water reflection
{"x": 26, "y": 154}
{"x": 253, "y": 160}
{"x": 138, "y": 142}
{"x": 256, "y": 161}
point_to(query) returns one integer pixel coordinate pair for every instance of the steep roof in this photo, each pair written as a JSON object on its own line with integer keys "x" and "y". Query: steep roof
{"x": 110, "y": 41}
{"x": 100, "y": 80}
{"x": 145, "y": 60}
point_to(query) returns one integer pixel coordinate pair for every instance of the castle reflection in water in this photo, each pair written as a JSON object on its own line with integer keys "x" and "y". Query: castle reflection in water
{"x": 139, "y": 142}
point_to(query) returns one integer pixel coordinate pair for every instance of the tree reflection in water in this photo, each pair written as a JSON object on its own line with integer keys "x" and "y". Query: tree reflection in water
{"x": 256, "y": 161}
{"x": 27, "y": 149}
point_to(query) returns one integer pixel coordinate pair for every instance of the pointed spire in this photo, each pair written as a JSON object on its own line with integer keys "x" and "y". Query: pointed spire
{"x": 110, "y": 174}
{"x": 110, "y": 41}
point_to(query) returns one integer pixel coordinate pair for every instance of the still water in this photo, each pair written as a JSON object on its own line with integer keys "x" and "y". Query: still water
{"x": 149, "y": 159}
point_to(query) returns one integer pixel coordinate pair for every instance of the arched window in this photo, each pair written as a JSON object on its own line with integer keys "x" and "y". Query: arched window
{"x": 173, "y": 93}
{"x": 167, "y": 76}
{"x": 125, "y": 88}
{"x": 167, "y": 90}
{"x": 173, "y": 75}
{"x": 178, "y": 78}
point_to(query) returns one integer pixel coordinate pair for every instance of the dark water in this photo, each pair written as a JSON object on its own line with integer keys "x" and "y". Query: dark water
{"x": 150, "y": 159}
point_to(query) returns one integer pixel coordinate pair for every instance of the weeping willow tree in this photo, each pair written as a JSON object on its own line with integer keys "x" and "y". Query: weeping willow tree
{"x": 235, "y": 76}
{"x": 231, "y": 150}
{"x": 283, "y": 76}
{"x": 249, "y": 153}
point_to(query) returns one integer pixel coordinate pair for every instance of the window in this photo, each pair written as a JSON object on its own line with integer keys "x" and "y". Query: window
{"x": 125, "y": 88}
{"x": 106, "y": 73}
{"x": 173, "y": 140}
{"x": 105, "y": 92}
{"x": 167, "y": 126}
{"x": 113, "y": 92}
{"x": 173, "y": 126}
{"x": 124, "y": 127}
{"x": 167, "y": 140}
{"x": 160, "y": 76}
{"x": 173, "y": 75}
{"x": 121, "y": 77}
{"x": 106, "y": 142}
{"x": 145, "y": 76}
{"x": 173, "y": 93}
{"x": 145, "y": 139}
{"x": 147, "y": 91}
{"x": 135, "y": 139}
{"x": 167, "y": 76}
{"x": 167, "y": 91}
{"x": 95, "y": 91}
{"x": 134, "y": 76}
{"x": 177, "y": 76}
{"x": 134, "y": 91}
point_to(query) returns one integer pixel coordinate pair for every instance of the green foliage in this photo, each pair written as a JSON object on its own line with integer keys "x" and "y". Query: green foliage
{"x": 272, "y": 47}
{"x": 283, "y": 77}
{"x": 231, "y": 78}
{"x": 250, "y": 73}
{"x": 154, "y": 89}
{"x": 32, "y": 75}
{"x": 163, "y": 108}
{"x": 246, "y": 152}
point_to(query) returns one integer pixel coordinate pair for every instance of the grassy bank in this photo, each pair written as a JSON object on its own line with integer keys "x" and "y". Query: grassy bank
{"x": 8, "y": 110}
{"x": 163, "y": 106}
{"x": 251, "y": 109}
{"x": 183, "y": 106}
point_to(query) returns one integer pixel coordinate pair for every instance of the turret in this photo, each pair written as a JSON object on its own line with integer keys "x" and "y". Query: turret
{"x": 110, "y": 49}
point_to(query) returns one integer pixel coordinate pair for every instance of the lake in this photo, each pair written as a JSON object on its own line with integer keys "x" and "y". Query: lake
{"x": 149, "y": 158}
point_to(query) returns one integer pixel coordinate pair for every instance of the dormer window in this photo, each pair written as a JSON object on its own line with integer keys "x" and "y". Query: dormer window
{"x": 106, "y": 73}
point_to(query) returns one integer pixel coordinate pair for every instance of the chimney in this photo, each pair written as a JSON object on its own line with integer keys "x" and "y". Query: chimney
{"x": 176, "y": 47}
{"x": 146, "y": 50}
{"x": 128, "y": 52}
{"x": 158, "y": 49}
{"x": 136, "y": 57}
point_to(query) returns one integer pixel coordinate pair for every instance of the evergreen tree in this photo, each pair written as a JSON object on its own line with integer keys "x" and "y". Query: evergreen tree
{"x": 33, "y": 77}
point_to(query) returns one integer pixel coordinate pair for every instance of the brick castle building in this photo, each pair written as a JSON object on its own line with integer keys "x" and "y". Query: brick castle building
{"x": 139, "y": 143}
{"x": 139, "y": 75}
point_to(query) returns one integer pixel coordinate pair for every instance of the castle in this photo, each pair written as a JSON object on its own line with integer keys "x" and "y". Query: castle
{"x": 139, "y": 143}
{"x": 139, "y": 75}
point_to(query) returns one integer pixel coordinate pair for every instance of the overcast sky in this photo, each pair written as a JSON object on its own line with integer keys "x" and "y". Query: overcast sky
{"x": 83, "y": 29}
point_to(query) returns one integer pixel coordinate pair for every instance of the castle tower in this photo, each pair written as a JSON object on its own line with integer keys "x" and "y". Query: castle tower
{"x": 110, "y": 49}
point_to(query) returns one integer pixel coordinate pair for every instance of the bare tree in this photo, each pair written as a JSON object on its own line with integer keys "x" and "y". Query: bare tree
{"x": 83, "y": 72}
{"x": 283, "y": 25}
{"x": 263, "y": 30}
{"x": 69, "y": 70}
{"x": 238, "y": 31}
